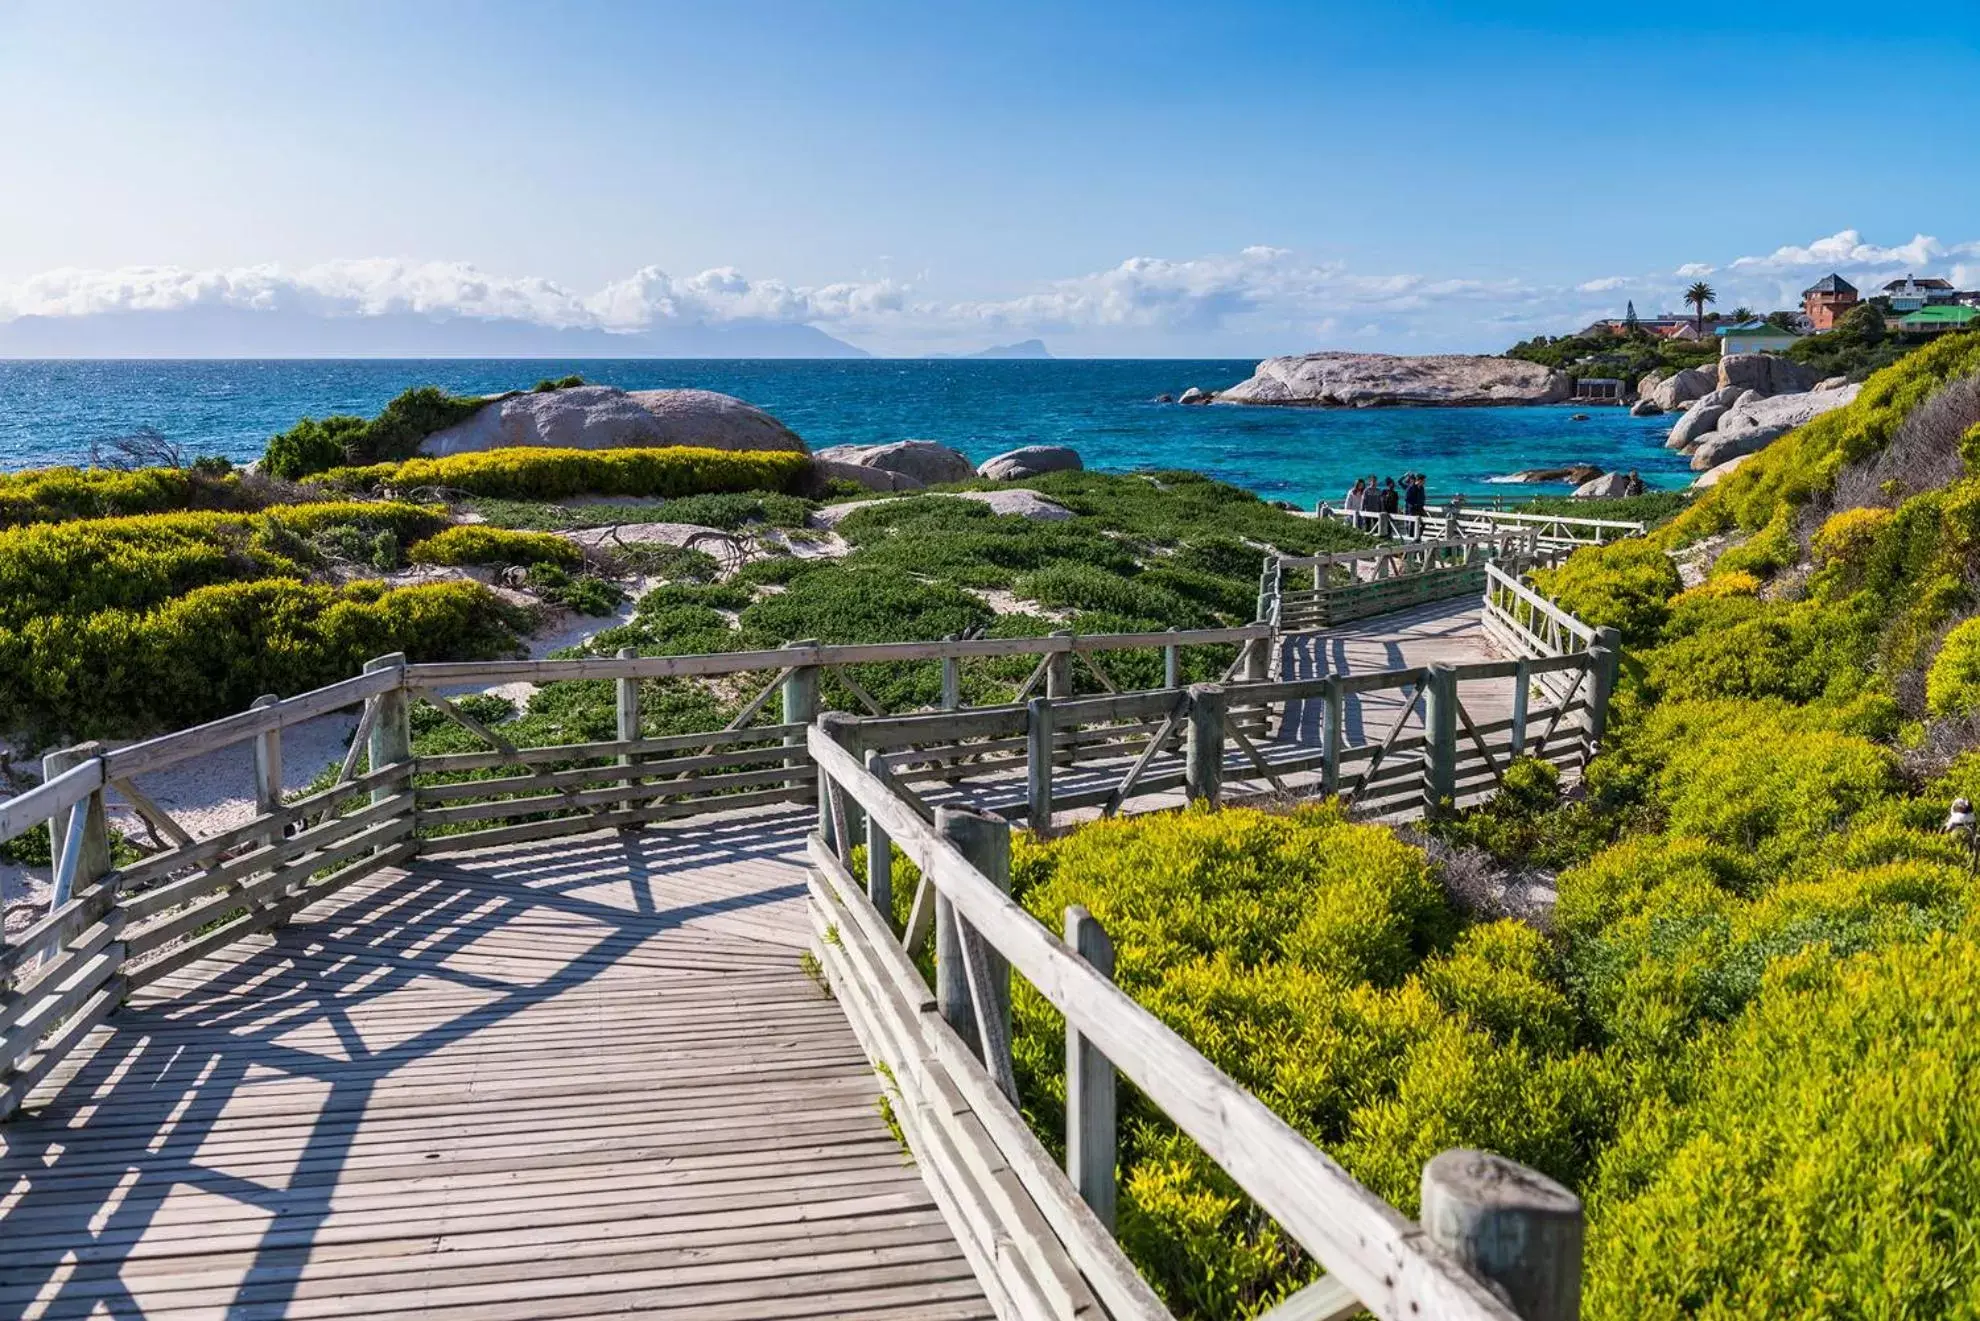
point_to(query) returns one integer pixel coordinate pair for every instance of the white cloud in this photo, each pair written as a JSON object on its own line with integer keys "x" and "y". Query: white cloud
{"x": 1262, "y": 296}
{"x": 1847, "y": 248}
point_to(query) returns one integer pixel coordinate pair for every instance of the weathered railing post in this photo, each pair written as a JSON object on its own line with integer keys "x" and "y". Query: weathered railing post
{"x": 89, "y": 816}
{"x": 1172, "y": 664}
{"x": 879, "y": 849}
{"x": 1522, "y": 690}
{"x": 840, "y": 819}
{"x": 952, "y": 679}
{"x": 268, "y": 770}
{"x": 628, "y": 712}
{"x": 1038, "y": 764}
{"x": 1059, "y": 683}
{"x": 1330, "y": 736}
{"x": 391, "y": 727}
{"x": 1509, "y": 1225}
{"x": 1440, "y": 701}
{"x": 801, "y": 708}
{"x": 1090, "y": 1136}
{"x": 1604, "y": 660}
{"x": 1203, "y": 754}
{"x": 985, "y": 840}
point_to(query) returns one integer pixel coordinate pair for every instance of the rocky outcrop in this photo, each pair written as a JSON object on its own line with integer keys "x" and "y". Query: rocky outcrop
{"x": 1768, "y": 373}
{"x": 1019, "y": 502}
{"x": 1644, "y": 408}
{"x": 1194, "y": 396}
{"x": 1030, "y": 461}
{"x": 873, "y": 479}
{"x": 601, "y": 417}
{"x": 1364, "y": 380}
{"x": 1609, "y": 486}
{"x": 1752, "y": 425}
{"x": 1576, "y": 473}
{"x": 924, "y": 461}
{"x": 1714, "y": 476}
{"x": 1695, "y": 424}
{"x": 1831, "y": 383}
{"x": 1682, "y": 387}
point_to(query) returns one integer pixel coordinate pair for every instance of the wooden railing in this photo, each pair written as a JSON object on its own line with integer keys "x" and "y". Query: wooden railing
{"x": 1425, "y": 740}
{"x": 111, "y": 929}
{"x": 1041, "y": 1237}
{"x": 1551, "y": 531}
{"x": 1360, "y": 584}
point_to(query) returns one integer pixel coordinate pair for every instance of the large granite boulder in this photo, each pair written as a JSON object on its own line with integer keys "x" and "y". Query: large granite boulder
{"x": 1713, "y": 476}
{"x": 1682, "y": 387}
{"x": 1723, "y": 397}
{"x": 873, "y": 479}
{"x": 1609, "y": 486}
{"x": 1766, "y": 372}
{"x": 600, "y": 417}
{"x": 1752, "y": 425}
{"x": 1030, "y": 461}
{"x": 927, "y": 462}
{"x": 1644, "y": 408}
{"x": 1576, "y": 473}
{"x": 1362, "y": 380}
{"x": 1019, "y": 502}
{"x": 1694, "y": 425}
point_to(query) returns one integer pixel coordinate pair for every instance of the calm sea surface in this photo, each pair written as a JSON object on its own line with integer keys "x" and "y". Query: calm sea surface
{"x": 50, "y": 412}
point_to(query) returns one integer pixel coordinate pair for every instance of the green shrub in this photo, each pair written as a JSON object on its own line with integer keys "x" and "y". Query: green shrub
{"x": 474, "y": 543}
{"x": 53, "y": 495}
{"x": 74, "y": 568}
{"x": 215, "y": 649}
{"x": 549, "y": 384}
{"x": 1819, "y": 1158}
{"x": 586, "y": 593}
{"x": 541, "y": 473}
{"x": 1952, "y": 687}
{"x": 1624, "y": 585}
{"x": 1084, "y": 587}
{"x": 849, "y": 604}
{"x": 312, "y": 446}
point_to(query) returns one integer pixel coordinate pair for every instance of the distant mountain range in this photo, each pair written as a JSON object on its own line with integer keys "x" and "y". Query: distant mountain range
{"x": 242, "y": 333}
{"x": 1030, "y": 348}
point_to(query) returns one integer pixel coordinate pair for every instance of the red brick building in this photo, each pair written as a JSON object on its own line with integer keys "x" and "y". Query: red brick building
{"x": 1825, "y": 301}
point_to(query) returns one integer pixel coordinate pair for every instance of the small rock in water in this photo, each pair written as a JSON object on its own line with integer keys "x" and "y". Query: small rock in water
{"x": 1644, "y": 408}
{"x": 1193, "y": 396}
{"x": 1165, "y": 399}
{"x": 1577, "y": 417}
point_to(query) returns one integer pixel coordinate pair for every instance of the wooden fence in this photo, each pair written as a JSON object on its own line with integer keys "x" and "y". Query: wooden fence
{"x": 1041, "y": 1236}
{"x": 1359, "y": 584}
{"x": 111, "y": 929}
{"x": 1551, "y": 531}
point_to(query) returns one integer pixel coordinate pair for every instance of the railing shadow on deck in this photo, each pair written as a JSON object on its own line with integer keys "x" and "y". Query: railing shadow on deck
{"x": 164, "y": 1074}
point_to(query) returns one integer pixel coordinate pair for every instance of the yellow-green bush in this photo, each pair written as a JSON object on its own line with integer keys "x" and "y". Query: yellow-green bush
{"x": 51, "y": 495}
{"x": 477, "y": 543}
{"x": 531, "y": 473}
{"x": 1623, "y": 585}
{"x": 1952, "y": 686}
{"x": 75, "y": 568}
{"x": 1818, "y": 1157}
{"x": 1849, "y": 535}
{"x": 1766, "y": 552}
{"x": 1316, "y": 961}
{"x": 215, "y": 649}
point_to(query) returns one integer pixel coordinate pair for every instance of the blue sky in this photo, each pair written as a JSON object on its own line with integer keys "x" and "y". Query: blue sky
{"x": 1118, "y": 179}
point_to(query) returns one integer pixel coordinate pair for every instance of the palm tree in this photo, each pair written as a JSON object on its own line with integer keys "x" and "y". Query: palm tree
{"x": 1742, "y": 313}
{"x": 1698, "y": 295}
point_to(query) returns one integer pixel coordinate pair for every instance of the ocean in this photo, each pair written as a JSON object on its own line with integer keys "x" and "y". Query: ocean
{"x": 52, "y": 411}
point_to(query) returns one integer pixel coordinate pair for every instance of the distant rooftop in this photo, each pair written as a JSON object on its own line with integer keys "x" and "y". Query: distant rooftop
{"x": 1829, "y": 284}
{"x": 1944, "y": 315}
{"x": 1927, "y": 282}
{"x": 1754, "y": 328}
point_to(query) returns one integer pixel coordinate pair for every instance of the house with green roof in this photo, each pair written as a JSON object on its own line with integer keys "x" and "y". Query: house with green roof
{"x": 1938, "y": 319}
{"x": 1754, "y": 337}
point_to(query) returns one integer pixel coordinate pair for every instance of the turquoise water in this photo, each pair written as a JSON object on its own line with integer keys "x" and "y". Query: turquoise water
{"x": 50, "y": 412}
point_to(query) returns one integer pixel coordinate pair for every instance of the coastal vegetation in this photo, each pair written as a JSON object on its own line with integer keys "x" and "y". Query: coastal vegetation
{"x": 541, "y": 473}
{"x": 1628, "y": 357}
{"x": 344, "y": 440}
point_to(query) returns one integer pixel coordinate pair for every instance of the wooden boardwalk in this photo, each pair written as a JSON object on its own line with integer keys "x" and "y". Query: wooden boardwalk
{"x": 550, "y": 1080}
{"x": 1440, "y": 633}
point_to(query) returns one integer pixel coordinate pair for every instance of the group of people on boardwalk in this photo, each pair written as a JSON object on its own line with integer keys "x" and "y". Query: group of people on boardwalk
{"x": 1372, "y": 497}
